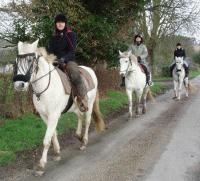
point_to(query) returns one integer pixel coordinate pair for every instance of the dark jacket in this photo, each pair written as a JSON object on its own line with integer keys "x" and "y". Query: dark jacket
{"x": 180, "y": 53}
{"x": 63, "y": 45}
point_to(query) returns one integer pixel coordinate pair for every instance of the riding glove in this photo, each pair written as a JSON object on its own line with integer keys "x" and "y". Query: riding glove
{"x": 139, "y": 59}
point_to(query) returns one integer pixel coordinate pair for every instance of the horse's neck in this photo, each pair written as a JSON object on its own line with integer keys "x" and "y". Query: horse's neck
{"x": 134, "y": 66}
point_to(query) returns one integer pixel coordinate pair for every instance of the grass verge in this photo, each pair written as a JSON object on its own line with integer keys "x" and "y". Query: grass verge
{"x": 28, "y": 132}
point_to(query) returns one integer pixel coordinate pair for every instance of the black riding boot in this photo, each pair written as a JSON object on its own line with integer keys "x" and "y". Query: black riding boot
{"x": 148, "y": 73}
{"x": 74, "y": 74}
{"x": 186, "y": 70}
{"x": 172, "y": 68}
{"x": 122, "y": 84}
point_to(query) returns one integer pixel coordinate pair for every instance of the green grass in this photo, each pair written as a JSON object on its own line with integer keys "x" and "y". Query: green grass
{"x": 28, "y": 132}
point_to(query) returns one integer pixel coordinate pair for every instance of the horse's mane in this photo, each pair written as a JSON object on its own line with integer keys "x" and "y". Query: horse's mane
{"x": 49, "y": 58}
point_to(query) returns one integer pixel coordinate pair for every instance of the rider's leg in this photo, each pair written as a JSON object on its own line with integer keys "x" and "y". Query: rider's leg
{"x": 186, "y": 66}
{"x": 122, "y": 84}
{"x": 172, "y": 68}
{"x": 74, "y": 74}
{"x": 148, "y": 73}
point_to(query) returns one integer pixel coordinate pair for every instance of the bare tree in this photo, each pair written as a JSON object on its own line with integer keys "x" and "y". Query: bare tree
{"x": 164, "y": 18}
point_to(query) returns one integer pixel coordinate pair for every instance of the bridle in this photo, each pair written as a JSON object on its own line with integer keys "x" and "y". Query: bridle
{"x": 129, "y": 64}
{"x": 30, "y": 58}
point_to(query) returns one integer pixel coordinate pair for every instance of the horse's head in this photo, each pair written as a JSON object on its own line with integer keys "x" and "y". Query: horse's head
{"x": 127, "y": 62}
{"x": 24, "y": 65}
{"x": 179, "y": 64}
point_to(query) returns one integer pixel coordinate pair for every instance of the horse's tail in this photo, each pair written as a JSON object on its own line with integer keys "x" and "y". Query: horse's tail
{"x": 150, "y": 96}
{"x": 191, "y": 88}
{"x": 99, "y": 123}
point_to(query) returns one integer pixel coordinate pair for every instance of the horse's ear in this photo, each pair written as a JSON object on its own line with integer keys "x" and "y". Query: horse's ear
{"x": 35, "y": 44}
{"x": 129, "y": 53}
{"x": 120, "y": 53}
{"x": 19, "y": 46}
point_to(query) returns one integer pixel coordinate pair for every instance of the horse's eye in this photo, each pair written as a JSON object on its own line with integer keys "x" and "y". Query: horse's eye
{"x": 126, "y": 61}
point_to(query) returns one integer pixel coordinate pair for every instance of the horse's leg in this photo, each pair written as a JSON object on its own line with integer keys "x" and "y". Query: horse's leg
{"x": 138, "y": 99}
{"x": 129, "y": 93}
{"x": 87, "y": 125}
{"x": 56, "y": 147}
{"x": 79, "y": 127}
{"x": 51, "y": 127}
{"x": 145, "y": 100}
{"x": 175, "y": 89}
{"x": 179, "y": 89}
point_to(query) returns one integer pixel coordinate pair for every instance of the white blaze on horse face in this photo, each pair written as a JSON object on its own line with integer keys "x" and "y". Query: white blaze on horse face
{"x": 124, "y": 65}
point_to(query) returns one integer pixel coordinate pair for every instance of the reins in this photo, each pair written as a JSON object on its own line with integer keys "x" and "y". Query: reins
{"x": 39, "y": 94}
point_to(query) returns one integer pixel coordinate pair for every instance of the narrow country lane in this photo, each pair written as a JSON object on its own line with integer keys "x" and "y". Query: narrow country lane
{"x": 162, "y": 145}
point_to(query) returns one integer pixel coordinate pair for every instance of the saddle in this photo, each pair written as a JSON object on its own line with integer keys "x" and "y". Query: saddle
{"x": 70, "y": 90}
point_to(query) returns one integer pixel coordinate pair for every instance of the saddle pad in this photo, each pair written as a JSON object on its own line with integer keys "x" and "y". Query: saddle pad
{"x": 86, "y": 77}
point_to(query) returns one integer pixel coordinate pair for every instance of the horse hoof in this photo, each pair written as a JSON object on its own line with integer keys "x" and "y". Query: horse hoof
{"x": 137, "y": 115}
{"x": 39, "y": 173}
{"x": 82, "y": 147}
{"x": 79, "y": 137}
{"x": 143, "y": 111}
{"x": 56, "y": 158}
{"x": 174, "y": 97}
{"x": 129, "y": 118}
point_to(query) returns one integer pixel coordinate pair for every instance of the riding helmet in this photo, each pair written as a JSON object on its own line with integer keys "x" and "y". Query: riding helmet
{"x": 60, "y": 17}
{"x": 138, "y": 35}
{"x": 178, "y": 44}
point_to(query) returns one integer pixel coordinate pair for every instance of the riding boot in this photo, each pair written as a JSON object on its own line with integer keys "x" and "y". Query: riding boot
{"x": 172, "y": 68}
{"x": 74, "y": 74}
{"x": 186, "y": 69}
{"x": 148, "y": 73}
{"x": 122, "y": 84}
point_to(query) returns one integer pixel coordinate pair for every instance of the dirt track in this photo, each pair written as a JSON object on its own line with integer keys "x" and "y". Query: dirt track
{"x": 125, "y": 151}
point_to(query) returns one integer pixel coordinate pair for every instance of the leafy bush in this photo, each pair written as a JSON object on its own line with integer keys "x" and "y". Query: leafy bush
{"x": 196, "y": 57}
{"x": 165, "y": 72}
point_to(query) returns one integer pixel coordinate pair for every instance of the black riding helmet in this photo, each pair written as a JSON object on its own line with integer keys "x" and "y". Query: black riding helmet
{"x": 138, "y": 35}
{"x": 61, "y": 17}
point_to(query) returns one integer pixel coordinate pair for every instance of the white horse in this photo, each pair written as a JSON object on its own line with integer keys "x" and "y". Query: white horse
{"x": 49, "y": 96}
{"x": 135, "y": 81}
{"x": 179, "y": 78}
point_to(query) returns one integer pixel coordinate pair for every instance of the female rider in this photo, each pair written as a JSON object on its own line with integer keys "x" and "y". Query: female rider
{"x": 63, "y": 45}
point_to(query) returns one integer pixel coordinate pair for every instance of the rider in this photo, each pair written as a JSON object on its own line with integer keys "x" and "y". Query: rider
{"x": 63, "y": 45}
{"x": 180, "y": 52}
{"x": 140, "y": 51}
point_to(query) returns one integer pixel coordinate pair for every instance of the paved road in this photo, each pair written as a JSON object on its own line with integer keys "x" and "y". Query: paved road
{"x": 162, "y": 145}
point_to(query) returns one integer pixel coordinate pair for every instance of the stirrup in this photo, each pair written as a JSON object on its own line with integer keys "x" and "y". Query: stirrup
{"x": 150, "y": 83}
